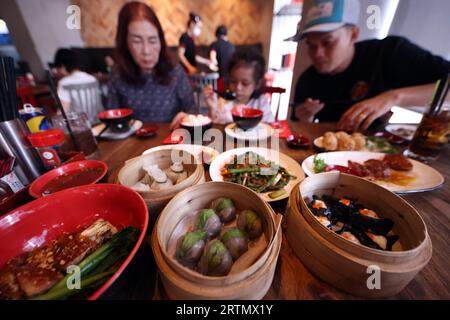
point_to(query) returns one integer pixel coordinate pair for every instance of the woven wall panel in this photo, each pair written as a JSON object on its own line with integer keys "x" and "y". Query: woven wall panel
{"x": 245, "y": 19}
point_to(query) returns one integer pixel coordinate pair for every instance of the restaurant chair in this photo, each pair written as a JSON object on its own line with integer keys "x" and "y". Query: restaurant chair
{"x": 85, "y": 97}
{"x": 198, "y": 82}
{"x": 274, "y": 90}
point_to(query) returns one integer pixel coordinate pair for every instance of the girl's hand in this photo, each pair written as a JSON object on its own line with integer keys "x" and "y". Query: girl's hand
{"x": 176, "y": 120}
{"x": 210, "y": 97}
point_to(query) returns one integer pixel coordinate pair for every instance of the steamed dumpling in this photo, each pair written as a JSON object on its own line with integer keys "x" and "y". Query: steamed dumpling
{"x": 216, "y": 259}
{"x": 236, "y": 242}
{"x": 190, "y": 247}
{"x": 209, "y": 222}
{"x": 224, "y": 208}
{"x": 360, "y": 140}
{"x": 330, "y": 141}
{"x": 250, "y": 223}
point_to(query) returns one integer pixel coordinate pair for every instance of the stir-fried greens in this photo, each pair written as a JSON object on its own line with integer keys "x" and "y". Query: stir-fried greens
{"x": 255, "y": 172}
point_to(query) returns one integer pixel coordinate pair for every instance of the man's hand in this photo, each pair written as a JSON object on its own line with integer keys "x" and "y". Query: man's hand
{"x": 361, "y": 115}
{"x": 308, "y": 109}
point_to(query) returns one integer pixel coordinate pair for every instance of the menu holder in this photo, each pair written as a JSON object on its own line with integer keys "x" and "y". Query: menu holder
{"x": 23, "y": 197}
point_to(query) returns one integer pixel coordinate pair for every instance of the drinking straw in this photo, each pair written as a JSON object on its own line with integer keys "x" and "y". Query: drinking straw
{"x": 444, "y": 94}
{"x": 436, "y": 95}
{"x": 60, "y": 107}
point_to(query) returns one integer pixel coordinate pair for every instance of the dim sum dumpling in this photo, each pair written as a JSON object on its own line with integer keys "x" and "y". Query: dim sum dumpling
{"x": 360, "y": 140}
{"x": 345, "y": 141}
{"x": 330, "y": 141}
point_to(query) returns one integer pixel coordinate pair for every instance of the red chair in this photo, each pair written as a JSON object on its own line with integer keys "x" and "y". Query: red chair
{"x": 26, "y": 95}
{"x": 270, "y": 91}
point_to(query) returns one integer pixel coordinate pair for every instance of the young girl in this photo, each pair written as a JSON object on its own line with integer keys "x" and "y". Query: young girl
{"x": 246, "y": 72}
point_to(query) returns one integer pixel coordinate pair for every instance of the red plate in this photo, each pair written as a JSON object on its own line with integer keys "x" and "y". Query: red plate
{"x": 38, "y": 185}
{"x": 44, "y": 219}
{"x": 147, "y": 131}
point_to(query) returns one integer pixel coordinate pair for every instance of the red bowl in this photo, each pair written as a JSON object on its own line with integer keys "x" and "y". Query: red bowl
{"x": 298, "y": 141}
{"x": 44, "y": 219}
{"x": 117, "y": 119}
{"x": 246, "y": 118}
{"x": 38, "y": 186}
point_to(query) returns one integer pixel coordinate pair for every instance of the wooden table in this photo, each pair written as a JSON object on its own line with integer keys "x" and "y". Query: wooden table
{"x": 292, "y": 280}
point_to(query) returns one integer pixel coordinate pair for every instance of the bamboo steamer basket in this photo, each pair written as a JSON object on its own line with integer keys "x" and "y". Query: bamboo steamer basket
{"x": 132, "y": 173}
{"x": 347, "y": 265}
{"x": 183, "y": 283}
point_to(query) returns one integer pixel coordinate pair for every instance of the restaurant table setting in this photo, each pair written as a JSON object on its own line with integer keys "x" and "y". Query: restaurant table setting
{"x": 309, "y": 214}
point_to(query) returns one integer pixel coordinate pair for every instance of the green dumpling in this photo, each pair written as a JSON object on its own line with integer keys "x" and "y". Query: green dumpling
{"x": 236, "y": 242}
{"x": 190, "y": 247}
{"x": 209, "y": 222}
{"x": 216, "y": 259}
{"x": 224, "y": 208}
{"x": 250, "y": 222}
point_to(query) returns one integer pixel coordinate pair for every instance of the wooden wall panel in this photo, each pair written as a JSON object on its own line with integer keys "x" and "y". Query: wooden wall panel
{"x": 248, "y": 20}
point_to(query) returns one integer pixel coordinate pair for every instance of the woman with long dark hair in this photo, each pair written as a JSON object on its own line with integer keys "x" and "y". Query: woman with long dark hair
{"x": 144, "y": 78}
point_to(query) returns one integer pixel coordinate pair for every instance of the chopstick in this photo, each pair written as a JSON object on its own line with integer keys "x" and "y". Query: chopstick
{"x": 61, "y": 108}
{"x": 8, "y": 95}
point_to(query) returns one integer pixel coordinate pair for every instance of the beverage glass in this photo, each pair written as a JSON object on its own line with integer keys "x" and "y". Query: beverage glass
{"x": 81, "y": 129}
{"x": 432, "y": 135}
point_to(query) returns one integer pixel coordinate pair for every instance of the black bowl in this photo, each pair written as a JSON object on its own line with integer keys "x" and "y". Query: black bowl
{"x": 117, "y": 120}
{"x": 192, "y": 129}
{"x": 246, "y": 118}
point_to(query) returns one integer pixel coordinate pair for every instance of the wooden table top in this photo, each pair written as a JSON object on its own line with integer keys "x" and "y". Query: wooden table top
{"x": 292, "y": 280}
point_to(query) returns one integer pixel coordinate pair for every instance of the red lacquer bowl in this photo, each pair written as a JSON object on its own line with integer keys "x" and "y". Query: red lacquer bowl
{"x": 117, "y": 119}
{"x": 44, "y": 219}
{"x": 70, "y": 170}
{"x": 246, "y": 118}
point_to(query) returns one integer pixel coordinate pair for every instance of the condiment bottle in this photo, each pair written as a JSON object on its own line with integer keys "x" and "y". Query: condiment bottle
{"x": 46, "y": 144}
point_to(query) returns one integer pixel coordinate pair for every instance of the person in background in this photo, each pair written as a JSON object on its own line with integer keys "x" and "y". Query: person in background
{"x": 187, "y": 52}
{"x": 144, "y": 78}
{"x": 109, "y": 63}
{"x": 356, "y": 83}
{"x": 67, "y": 70}
{"x": 246, "y": 70}
{"x": 221, "y": 51}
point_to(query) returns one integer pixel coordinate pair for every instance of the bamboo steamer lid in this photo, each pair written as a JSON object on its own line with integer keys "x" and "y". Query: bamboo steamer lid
{"x": 345, "y": 264}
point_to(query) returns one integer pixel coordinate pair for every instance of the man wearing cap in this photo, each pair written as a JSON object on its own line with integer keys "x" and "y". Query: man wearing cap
{"x": 355, "y": 83}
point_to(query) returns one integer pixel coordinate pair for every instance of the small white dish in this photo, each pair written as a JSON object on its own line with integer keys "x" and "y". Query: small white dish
{"x": 405, "y": 131}
{"x": 262, "y": 131}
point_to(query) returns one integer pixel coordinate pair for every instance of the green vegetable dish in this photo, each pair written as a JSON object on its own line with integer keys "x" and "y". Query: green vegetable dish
{"x": 255, "y": 172}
